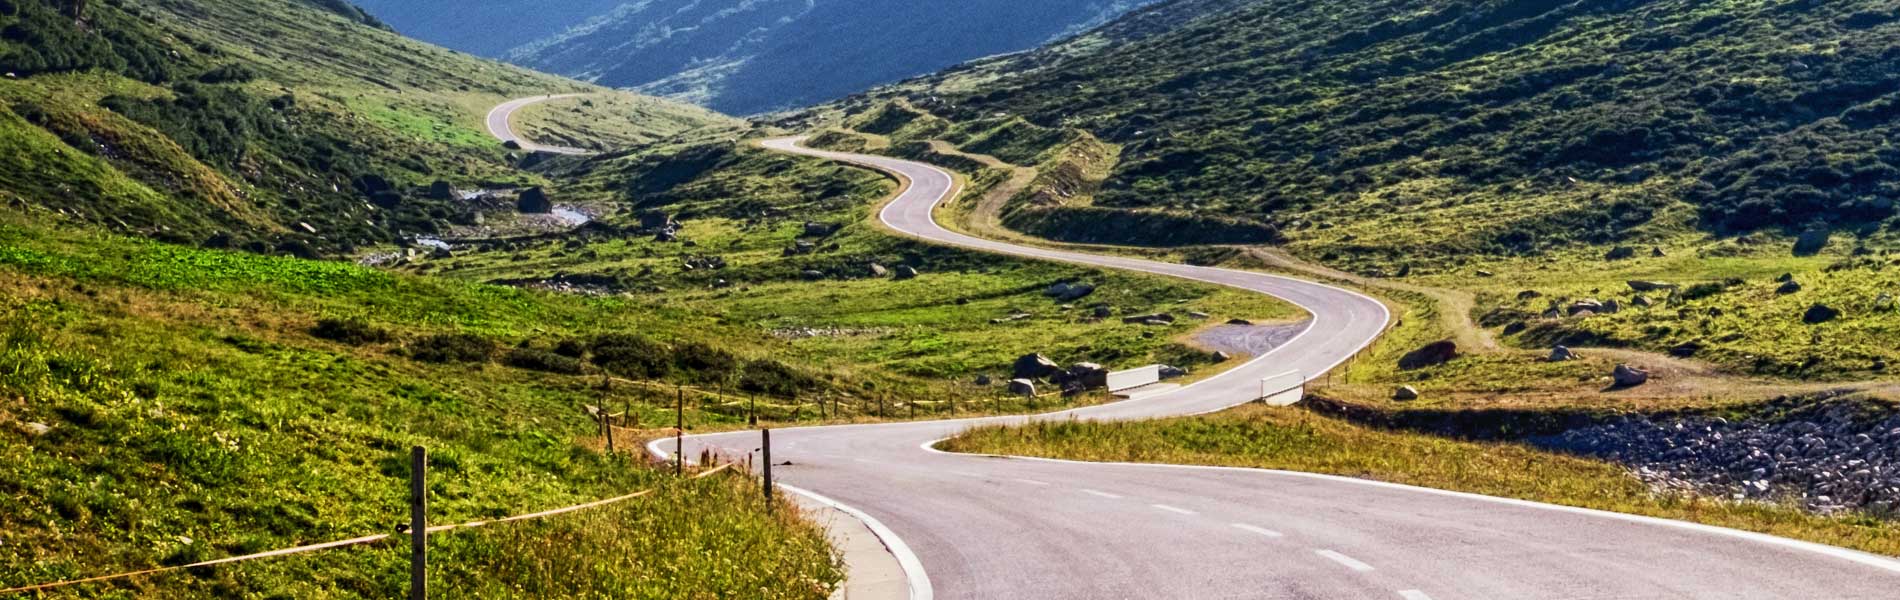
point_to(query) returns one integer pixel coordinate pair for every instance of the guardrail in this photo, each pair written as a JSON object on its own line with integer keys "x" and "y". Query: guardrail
{"x": 1134, "y": 378}
{"x": 1284, "y": 389}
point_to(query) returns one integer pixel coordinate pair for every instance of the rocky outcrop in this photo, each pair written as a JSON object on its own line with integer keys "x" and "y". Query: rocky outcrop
{"x": 1034, "y": 366}
{"x": 1433, "y": 354}
{"x": 1820, "y": 313}
{"x": 1627, "y": 376}
{"x": 1562, "y": 354}
{"x": 1405, "y": 393}
{"x": 534, "y": 200}
{"x": 1022, "y": 387}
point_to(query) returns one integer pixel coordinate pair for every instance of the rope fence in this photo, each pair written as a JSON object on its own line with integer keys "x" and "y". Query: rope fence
{"x": 361, "y": 541}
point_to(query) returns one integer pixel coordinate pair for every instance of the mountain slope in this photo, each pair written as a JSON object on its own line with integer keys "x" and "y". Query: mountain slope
{"x": 264, "y": 125}
{"x": 485, "y": 27}
{"x": 750, "y": 56}
{"x": 1444, "y": 127}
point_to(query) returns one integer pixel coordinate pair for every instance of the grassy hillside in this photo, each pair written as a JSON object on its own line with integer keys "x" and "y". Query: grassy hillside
{"x": 161, "y": 405}
{"x": 274, "y": 125}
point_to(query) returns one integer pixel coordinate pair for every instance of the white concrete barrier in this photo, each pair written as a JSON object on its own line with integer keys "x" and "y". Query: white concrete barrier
{"x": 1284, "y": 389}
{"x": 1134, "y": 378}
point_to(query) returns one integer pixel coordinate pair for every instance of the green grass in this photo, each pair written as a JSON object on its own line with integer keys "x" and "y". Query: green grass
{"x": 1294, "y": 439}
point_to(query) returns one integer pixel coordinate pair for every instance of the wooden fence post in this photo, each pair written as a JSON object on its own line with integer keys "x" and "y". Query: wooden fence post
{"x": 418, "y": 524}
{"x": 765, "y": 439}
{"x": 679, "y": 433}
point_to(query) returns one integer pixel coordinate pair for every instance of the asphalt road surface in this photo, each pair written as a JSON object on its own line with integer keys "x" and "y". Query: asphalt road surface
{"x": 973, "y": 527}
{"x": 500, "y": 125}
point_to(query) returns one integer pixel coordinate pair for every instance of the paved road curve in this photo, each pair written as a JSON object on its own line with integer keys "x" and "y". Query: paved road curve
{"x": 501, "y": 125}
{"x": 970, "y": 527}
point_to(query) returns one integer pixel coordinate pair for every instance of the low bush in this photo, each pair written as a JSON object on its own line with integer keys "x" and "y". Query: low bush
{"x": 633, "y": 356}
{"x": 352, "y": 331}
{"x": 452, "y": 348}
{"x": 535, "y": 359}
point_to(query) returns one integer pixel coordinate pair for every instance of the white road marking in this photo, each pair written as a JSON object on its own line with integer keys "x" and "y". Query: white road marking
{"x": 1345, "y": 560}
{"x": 1413, "y": 595}
{"x": 1252, "y": 529}
{"x": 1032, "y": 481}
{"x": 1102, "y": 494}
{"x": 1174, "y": 509}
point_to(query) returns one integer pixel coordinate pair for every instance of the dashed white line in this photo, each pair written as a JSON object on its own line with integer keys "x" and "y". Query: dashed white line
{"x": 1252, "y": 529}
{"x": 1413, "y": 595}
{"x": 1345, "y": 560}
{"x": 1174, "y": 509}
{"x": 1102, "y": 494}
{"x": 1032, "y": 481}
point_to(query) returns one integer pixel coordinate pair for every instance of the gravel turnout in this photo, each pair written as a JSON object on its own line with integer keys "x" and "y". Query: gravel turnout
{"x": 1835, "y": 455}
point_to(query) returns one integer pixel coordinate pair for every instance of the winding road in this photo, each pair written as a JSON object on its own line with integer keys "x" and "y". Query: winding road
{"x": 501, "y": 124}
{"x": 983, "y": 528}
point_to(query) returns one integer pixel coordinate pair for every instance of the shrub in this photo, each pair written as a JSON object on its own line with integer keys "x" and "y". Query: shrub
{"x": 630, "y": 355}
{"x": 702, "y": 362}
{"x": 772, "y": 377}
{"x": 352, "y": 331}
{"x": 452, "y": 348}
{"x": 535, "y": 359}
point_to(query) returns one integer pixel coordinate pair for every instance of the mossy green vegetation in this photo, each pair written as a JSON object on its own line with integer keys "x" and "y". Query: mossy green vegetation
{"x": 277, "y": 126}
{"x": 1295, "y": 439}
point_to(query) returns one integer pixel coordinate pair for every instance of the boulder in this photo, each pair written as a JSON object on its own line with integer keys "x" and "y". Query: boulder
{"x": 512, "y": 144}
{"x": 1562, "y": 354}
{"x": 1643, "y": 301}
{"x": 1073, "y": 388}
{"x": 1170, "y": 372}
{"x": 1620, "y": 253}
{"x": 37, "y": 429}
{"x": 1811, "y": 242}
{"x": 983, "y": 379}
{"x": 905, "y": 272}
{"x": 1484, "y": 273}
{"x": 1405, "y": 393}
{"x": 815, "y": 229}
{"x": 666, "y": 235}
{"x": 1034, "y": 366}
{"x": 1435, "y": 353}
{"x": 1650, "y": 286}
{"x": 1788, "y": 287}
{"x": 1103, "y": 312}
{"x": 1069, "y": 292}
{"x": 1784, "y": 278}
{"x": 654, "y": 219}
{"x": 1586, "y": 305}
{"x": 1221, "y": 357}
{"x": 441, "y": 190}
{"x": 878, "y": 270}
{"x": 1090, "y": 374}
{"x": 1150, "y": 319}
{"x": 1657, "y": 252}
{"x": 1529, "y": 295}
{"x": 1611, "y": 307}
{"x": 1628, "y": 376}
{"x": 1199, "y": 316}
{"x": 1820, "y": 313}
{"x": 812, "y": 275}
{"x": 1022, "y": 387}
{"x": 534, "y": 200}
{"x": 1240, "y": 322}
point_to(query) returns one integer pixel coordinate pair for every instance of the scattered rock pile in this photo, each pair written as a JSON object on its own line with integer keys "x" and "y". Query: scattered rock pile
{"x": 1826, "y": 458}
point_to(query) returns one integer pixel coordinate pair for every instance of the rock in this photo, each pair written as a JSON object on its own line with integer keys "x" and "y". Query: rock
{"x": 1884, "y": 302}
{"x": 1642, "y": 301}
{"x": 1068, "y": 292}
{"x": 1073, "y": 388}
{"x": 814, "y": 229}
{"x": 1784, "y": 278}
{"x": 1199, "y": 316}
{"x": 1103, "y": 312}
{"x": 441, "y": 253}
{"x": 1553, "y": 314}
{"x": 1611, "y": 307}
{"x": 1090, "y": 374}
{"x": 1820, "y": 313}
{"x": 1034, "y": 366}
{"x": 1628, "y": 376}
{"x": 1529, "y": 295}
{"x": 1221, "y": 357}
{"x": 1484, "y": 273}
{"x": 1435, "y": 353}
{"x": 1022, "y": 387}
{"x": 1788, "y": 287}
{"x": 983, "y": 380}
{"x": 534, "y": 200}
{"x": 441, "y": 190}
{"x": 1586, "y": 305}
{"x": 1649, "y": 286}
{"x": 36, "y": 429}
{"x": 1405, "y": 393}
{"x": 1620, "y": 253}
{"x": 878, "y": 270}
{"x": 812, "y": 275}
{"x": 1657, "y": 252}
{"x": 1240, "y": 322}
{"x": 666, "y": 235}
{"x": 1685, "y": 350}
{"x": 1811, "y": 243}
{"x": 1150, "y": 319}
{"x": 512, "y": 144}
{"x": 1170, "y": 372}
{"x": 1562, "y": 354}
{"x": 905, "y": 272}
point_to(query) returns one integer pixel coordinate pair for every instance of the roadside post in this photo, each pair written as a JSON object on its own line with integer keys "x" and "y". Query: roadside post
{"x": 679, "y": 433}
{"x": 418, "y": 524}
{"x": 765, "y": 448}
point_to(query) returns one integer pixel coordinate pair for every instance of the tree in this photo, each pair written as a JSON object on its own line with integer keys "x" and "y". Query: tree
{"x": 78, "y": 8}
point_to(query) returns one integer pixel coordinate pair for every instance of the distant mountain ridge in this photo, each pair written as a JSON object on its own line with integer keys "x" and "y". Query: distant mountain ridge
{"x": 489, "y": 28}
{"x": 749, "y": 56}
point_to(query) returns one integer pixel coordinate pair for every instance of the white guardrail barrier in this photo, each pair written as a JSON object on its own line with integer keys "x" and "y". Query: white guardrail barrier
{"x": 1134, "y": 378}
{"x": 1284, "y": 389}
